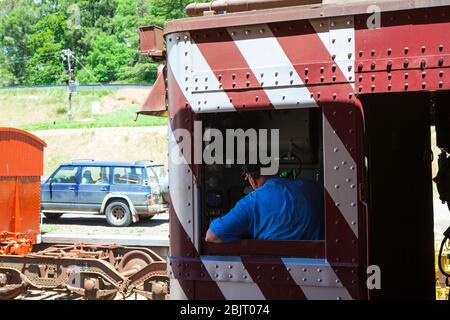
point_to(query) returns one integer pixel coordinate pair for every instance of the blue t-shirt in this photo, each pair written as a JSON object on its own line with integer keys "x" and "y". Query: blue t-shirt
{"x": 279, "y": 210}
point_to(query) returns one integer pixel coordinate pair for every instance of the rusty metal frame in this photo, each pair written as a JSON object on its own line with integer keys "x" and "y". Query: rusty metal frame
{"x": 296, "y": 13}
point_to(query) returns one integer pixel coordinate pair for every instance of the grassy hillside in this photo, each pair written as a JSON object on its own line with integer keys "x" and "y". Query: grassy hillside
{"x": 108, "y": 144}
{"x": 42, "y": 109}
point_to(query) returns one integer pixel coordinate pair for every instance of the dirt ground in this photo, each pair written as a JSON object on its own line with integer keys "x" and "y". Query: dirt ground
{"x": 110, "y": 144}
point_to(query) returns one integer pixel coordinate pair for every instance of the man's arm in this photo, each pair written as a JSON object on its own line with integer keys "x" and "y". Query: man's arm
{"x": 234, "y": 225}
{"x": 211, "y": 237}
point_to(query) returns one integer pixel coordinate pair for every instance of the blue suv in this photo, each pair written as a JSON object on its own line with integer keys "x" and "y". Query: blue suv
{"x": 124, "y": 192}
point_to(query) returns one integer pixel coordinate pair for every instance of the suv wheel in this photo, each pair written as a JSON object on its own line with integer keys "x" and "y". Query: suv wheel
{"x": 118, "y": 214}
{"x": 52, "y": 216}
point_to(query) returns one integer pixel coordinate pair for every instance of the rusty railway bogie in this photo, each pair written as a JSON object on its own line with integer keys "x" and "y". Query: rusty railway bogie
{"x": 94, "y": 272}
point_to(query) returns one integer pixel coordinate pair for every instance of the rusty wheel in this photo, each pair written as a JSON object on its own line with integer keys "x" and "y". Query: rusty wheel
{"x": 9, "y": 294}
{"x": 134, "y": 261}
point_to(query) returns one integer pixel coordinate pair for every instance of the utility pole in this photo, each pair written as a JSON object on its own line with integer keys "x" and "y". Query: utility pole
{"x": 67, "y": 55}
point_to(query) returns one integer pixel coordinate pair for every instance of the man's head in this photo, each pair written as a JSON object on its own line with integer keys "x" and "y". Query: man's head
{"x": 252, "y": 173}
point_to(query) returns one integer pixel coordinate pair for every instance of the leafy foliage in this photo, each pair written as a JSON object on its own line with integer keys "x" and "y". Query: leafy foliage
{"x": 103, "y": 34}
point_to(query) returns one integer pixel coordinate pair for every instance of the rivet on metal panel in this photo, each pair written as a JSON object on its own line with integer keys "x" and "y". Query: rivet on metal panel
{"x": 349, "y": 55}
{"x": 333, "y": 56}
{"x": 230, "y": 276}
{"x": 441, "y": 73}
{"x": 335, "y": 149}
{"x": 304, "y": 269}
{"x": 333, "y": 23}
{"x": 334, "y": 95}
{"x": 406, "y": 63}
{"x": 288, "y": 269}
{"x": 372, "y": 53}
{"x": 336, "y": 168}
{"x": 352, "y": 168}
{"x": 349, "y": 39}
{"x": 333, "y": 40}
{"x": 373, "y": 77}
{"x": 233, "y": 33}
{"x": 353, "y": 223}
{"x": 189, "y": 221}
{"x": 321, "y": 24}
{"x": 319, "y": 270}
{"x": 389, "y": 51}
{"x": 244, "y": 277}
{"x": 353, "y": 204}
{"x": 337, "y": 240}
{"x": 318, "y": 94}
{"x": 441, "y": 47}
{"x": 319, "y": 280}
{"x": 337, "y": 204}
{"x": 424, "y": 84}
{"x": 322, "y": 78}
{"x": 257, "y": 98}
{"x": 360, "y": 53}
{"x": 441, "y": 84}
{"x": 372, "y": 87}
{"x": 247, "y": 32}
{"x": 441, "y": 62}
{"x": 258, "y": 267}
{"x": 216, "y": 275}
{"x": 372, "y": 65}
{"x": 261, "y": 30}
{"x": 389, "y": 86}
{"x": 338, "y": 298}
{"x": 406, "y": 50}
{"x": 304, "y": 279}
{"x": 406, "y": 86}
{"x": 352, "y": 186}
{"x": 424, "y": 74}
{"x": 336, "y": 222}
{"x": 336, "y": 186}
{"x": 423, "y": 64}
{"x": 276, "y": 82}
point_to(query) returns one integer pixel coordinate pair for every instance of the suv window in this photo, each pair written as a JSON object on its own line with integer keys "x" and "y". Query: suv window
{"x": 156, "y": 174}
{"x": 127, "y": 175}
{"x": 95, "y": 175}
{"x": 65, "y": 175}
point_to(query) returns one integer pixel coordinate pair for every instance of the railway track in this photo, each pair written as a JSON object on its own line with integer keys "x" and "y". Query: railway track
{"x": 64, "y": 295}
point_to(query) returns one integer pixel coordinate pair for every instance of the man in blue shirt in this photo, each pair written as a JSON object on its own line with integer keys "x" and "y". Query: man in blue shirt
{"x": 277, "y": 209}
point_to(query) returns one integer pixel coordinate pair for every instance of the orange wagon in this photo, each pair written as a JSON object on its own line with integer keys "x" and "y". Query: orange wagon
{"x": 21, "y": 166}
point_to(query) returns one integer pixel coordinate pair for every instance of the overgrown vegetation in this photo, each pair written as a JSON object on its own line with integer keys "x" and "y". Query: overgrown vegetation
{"x": 103, "y": 34}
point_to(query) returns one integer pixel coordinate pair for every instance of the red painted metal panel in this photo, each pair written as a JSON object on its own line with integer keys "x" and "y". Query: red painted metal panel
{"x": 21, "y": 153}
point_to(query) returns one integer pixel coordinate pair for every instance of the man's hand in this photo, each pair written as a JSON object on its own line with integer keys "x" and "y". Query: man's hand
{"x": 211, "y": 237}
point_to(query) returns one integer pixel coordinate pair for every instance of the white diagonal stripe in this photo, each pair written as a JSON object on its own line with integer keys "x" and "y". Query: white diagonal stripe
{"x": 340, "y": 176}
{"x": 186, "y": 61}
{"x": 232, "y": 278}
{"x": 271, "y": 67}
{"x": 338, "y": 36}
{"x": 316, "y": 278}
{"x": 180, "y": 181}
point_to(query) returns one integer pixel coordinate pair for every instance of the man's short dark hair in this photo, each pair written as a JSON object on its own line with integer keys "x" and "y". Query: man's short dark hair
{"x": 253, "y": 170}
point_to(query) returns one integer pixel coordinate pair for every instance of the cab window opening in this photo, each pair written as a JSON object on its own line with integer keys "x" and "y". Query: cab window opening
{"x": 300, "y": 152}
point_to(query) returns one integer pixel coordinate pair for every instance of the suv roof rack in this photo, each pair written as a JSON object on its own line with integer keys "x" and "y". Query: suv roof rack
{"x": 76, "y": 160}
{"x": 146, "y": 162}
